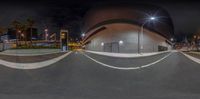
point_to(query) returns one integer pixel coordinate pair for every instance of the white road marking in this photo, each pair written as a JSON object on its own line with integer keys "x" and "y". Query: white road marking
{"x": 192, "y": 58}
{"x": 127, "y": 68}
{"x": 126, "y": 55}
{"x": 35, "y": 65}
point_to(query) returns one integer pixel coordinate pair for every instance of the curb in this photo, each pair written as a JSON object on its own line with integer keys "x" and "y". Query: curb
{"x": 126, "y": 55}
{"x": 192, "y": 58}
{"x": 29, "y": 54}
{"x": 35, "y": 65}
{"x": 128, "y": 68}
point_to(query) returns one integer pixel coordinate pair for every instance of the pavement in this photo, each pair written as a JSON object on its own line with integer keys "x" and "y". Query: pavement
{"x": 29, "y": 52}
{"x": 194, "y": 54}
{"x": 29, "y": 59}
{"x": 78, "y": 77}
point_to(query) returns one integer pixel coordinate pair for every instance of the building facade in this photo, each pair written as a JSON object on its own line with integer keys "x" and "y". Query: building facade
{"x": 118, "y": 30}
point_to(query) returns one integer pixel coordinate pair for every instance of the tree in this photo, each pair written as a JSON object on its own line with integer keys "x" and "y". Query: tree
{"x": 30, "y": 23}
{"x": 16, "y": 25}
{"x": 194, "y": 40}
{"x": 23, "y": 34}
{"x": 197, "y": 41}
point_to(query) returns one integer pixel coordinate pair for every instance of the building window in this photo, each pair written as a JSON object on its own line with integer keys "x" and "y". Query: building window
{"x": 162, "y": 48}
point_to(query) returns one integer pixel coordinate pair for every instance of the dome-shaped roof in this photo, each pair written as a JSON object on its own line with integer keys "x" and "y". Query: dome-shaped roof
{"x": 137, "y": 15}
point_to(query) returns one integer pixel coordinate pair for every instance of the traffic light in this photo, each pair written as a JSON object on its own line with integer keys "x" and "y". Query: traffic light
{"x": 64, "y": 40}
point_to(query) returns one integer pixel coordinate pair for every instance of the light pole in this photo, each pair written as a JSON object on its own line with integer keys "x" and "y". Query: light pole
{"x": 19, "y": 38}
{"x": 46, "y": 34}
{"x": 172, "y": 41}
{"x": 140, "y": 35}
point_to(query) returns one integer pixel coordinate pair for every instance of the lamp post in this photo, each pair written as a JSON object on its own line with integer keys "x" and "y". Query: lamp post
{"x": 46, "y": 34}
{"x": 140, "y": 35}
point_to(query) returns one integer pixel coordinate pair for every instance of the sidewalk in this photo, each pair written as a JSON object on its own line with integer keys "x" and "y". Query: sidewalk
{"x": 29, "y": 52}
{"x": 194, "y": 54}
{"x": 126, "y": 55}
{"x": 34, "y": 62}
{"x": 29, "y": 59}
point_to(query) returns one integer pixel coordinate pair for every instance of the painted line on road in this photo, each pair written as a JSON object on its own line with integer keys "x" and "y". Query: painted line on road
{"x": 127, "y": 68}
{"x": 35, "y": 65}
{"x": 192, "y": 58}
{"x": 126, "y": 55}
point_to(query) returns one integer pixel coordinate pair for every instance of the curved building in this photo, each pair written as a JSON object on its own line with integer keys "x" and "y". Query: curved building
{"x": 118, "y": 29}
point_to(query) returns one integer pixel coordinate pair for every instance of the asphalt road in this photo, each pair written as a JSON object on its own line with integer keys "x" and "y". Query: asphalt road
{"x": 78, "y": 77}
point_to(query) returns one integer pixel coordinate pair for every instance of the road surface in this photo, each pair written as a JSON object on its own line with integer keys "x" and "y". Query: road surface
{"x": 78, "y": 77}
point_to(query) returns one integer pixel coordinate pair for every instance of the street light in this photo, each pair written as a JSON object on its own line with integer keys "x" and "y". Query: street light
{"x": 152, "y": 18}
{"x": 19, "y": 31}
{"x": 46, "y": 34}
{"x": 22, "y": 35}
{"x": 171, "y": 39}
{"x": 140, "y": 46}
{"x": 102, "y": 44}
{"x": 83, "y": 34}
{"x": 121, "y": 42}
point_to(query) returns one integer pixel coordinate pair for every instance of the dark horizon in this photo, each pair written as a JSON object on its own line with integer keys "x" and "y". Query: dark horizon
{"x": 69, "y": 14}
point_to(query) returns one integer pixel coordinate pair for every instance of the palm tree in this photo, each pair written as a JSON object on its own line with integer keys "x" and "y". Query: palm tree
{"x": 23, "y": 29}
{"x": 30, "y": 23}
{"x": 16, "y": 25}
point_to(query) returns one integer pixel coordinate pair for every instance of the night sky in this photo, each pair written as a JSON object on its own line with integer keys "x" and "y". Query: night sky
{"x": 69, "y": 13}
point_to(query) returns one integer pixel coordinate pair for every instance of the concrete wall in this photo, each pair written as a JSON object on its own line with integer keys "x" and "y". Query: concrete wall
{"x": 127, "y": 33}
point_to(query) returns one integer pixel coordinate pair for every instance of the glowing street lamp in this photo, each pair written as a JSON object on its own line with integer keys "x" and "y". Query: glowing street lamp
{"x": 102, "y": 43}
{"x": 19, "y": 31}
{"x": 152, "y": 18}
{"x": 83, "y": 34}
{"x": 22, "y": 35}
{"x": 121, "y": 42}
{"x": 195, "y": 36}
{"x": 140, "y": 46}
{"x": 171, "y": 39}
